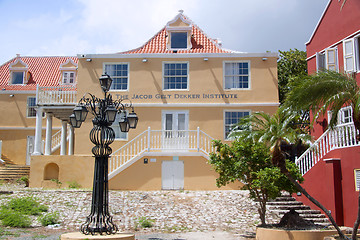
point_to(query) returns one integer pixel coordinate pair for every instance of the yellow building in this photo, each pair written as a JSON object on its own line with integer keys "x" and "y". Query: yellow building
{"x": 186, "y": 89}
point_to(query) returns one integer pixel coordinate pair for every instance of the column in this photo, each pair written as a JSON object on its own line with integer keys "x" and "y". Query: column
{"x": 71, "y": 141}
{"x": 63, "y": 137}
{"x": 48, "y": 136}
{"x": 38, "y": 131}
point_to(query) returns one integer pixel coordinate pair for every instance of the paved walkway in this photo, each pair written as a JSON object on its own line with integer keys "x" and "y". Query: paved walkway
{"x": 175, "y": 214}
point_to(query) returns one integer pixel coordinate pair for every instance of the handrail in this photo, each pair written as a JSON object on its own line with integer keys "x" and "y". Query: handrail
{"x": 341, "y": 136}
{"x": 56, "y": 95}
{"x": 161, "y": 141}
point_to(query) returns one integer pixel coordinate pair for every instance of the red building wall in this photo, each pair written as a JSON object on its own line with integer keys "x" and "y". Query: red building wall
{"x": 332, "y": 183}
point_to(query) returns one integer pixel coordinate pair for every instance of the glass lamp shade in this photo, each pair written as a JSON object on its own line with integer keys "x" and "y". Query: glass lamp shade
{"x": 110, "y": 113}
{"x": 80, "y": 113}
{"x": 74, "y": 123}
{"x": 132, "y": 119}
{"x": 124, "y": 124}
{"x": 105, "y": 82}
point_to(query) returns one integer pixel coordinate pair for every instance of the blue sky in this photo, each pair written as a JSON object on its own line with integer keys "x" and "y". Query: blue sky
{"x": 70, "y": 27}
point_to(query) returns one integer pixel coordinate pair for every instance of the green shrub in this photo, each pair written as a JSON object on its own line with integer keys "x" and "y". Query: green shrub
{"x": 145, "y": 222}
{"x": 12, "y": 218}
{"x": 49, "y": 219}
{"x": 56, "y": 181}
{"x": 74, "y": 184}
{"x": 25, "y": 180}
{"x": 25, "y": 205}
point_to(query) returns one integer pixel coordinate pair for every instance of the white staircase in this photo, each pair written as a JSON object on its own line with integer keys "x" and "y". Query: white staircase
{"x": 341, "y": 136}
{"x": 160, "y": 141}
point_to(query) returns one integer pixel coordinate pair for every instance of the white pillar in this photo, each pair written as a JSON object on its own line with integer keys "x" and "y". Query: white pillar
{"x": 71, "y": 141}
{"x": 63, "y": 137}
{"x": 38, "y": 131}
{"x": 48, "y": 136}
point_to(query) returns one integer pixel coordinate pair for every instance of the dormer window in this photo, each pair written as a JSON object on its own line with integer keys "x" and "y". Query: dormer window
{"x": 179, "y": 33}
{"x": 18, "y": 72}
{"x": 68, "y": 72}
{"x": 179, "y": 40}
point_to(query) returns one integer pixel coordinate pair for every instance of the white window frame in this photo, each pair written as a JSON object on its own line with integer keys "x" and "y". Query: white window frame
{"x": 357, "y": 179}
{"x": 327, "y": 61}
{"x": 116, "y": 127}
{"x": 66, "y": 81}
{"x": 187, "y": 40}
{"x": 187, "y": 76}
{"x": 28, "y": 107}
{"x": 357, "y": 52}
{"x": 23, "y": 78}
{"x": 349, "y": 55}
{"x": 128, "y": 75}
{"x": 224, "y": 119}
{"x": 249, "y": 75}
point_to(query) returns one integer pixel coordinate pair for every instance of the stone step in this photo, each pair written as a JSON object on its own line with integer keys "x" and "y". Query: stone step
{"x": 289, "y": 207}
{"x": 283, "y": 199}
{"x": 292, "y": 203}
{"x": 14, "y": 172}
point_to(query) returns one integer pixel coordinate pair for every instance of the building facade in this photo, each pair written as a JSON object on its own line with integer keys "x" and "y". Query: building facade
{"x": 333, "y": 162}
{"x": 186, "y": 90}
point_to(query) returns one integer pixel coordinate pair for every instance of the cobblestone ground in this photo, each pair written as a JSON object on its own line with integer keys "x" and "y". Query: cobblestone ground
{"x": 231, "y": 212}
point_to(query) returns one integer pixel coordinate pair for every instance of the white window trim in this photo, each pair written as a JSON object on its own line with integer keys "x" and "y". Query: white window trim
{"x": 224, "y": 115}
{"x": 12, "y": 78}
{"x": 63, "y": 79}
{"x": 128, "y": 75}
{"x": 336, "y": 58}
{"x": 27, "y": 108}
{"x": 188, "y": 75}
{"x": 357, "y": 50}
{"x": 346, "y": 56}
{"x": 188, "y": 40}
{"x": 249, "y": 75}
{"x": 357, "y": 177}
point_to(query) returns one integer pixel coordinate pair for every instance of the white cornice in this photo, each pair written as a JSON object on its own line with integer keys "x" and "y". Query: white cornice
{"x": 17, "y": 92}
{"x": 177, "y": 55}
{"x": 264, "y": 104}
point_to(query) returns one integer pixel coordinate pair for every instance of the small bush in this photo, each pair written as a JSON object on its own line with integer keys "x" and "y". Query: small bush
{"x": 14, "y": 219}
{"x": 145, "y": 222}
{"x": 57, "y": 182}
{"x": 74, "y": 184}
{"x": 25, "y": 180}
{"x": 49, "y": 219}
{"x": 25, "y": 205}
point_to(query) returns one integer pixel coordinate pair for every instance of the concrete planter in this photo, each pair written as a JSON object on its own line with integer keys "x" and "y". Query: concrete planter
{"x": 279, "y": 234}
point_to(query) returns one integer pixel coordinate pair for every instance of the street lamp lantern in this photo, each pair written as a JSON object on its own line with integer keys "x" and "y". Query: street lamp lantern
{"x": 74, "y": 122}
{"x": 132, "y": 119}
{"x": 101, "y": 135}
{"x": 123, "y": 122}
{"x": 80, "y": 113}
{"x": 110, "y": 113}
{"x": 105, "y": 82}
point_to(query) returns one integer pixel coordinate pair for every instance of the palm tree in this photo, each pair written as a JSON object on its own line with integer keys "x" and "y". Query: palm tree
{"x": 328, "y": 91}
{"x": 275, "y": 131}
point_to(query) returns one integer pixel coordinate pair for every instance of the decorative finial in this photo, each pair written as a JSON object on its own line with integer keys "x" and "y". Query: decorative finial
{"x": 181, "y": 11}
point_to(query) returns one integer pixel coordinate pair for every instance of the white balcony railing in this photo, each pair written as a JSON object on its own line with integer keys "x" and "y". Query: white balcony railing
{"x": 56, "y": 95}
{"x": 160, "y": 141}
{"x": 340, "y": 137}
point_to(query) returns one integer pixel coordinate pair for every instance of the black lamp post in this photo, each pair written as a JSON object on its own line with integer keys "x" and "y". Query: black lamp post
{"x": 102, "y": 135}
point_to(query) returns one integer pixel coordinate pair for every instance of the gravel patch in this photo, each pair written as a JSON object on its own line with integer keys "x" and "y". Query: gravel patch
{"x": 174, "y": 214}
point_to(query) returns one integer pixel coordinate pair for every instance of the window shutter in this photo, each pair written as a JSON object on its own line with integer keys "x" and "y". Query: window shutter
{"x": 331, "y": 59}
{"x": 349, "y": 59}
{"x": 320, "y": 62}
{"x": 357, "y": 179}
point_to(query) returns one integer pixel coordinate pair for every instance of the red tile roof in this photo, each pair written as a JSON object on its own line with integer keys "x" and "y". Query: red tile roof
{"x": 201, "y": 43}
{"x": 44, "y": 71}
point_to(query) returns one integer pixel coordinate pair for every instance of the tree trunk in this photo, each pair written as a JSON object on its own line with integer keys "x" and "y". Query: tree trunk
{"x": 313, "y": 200}
{"x": 357, "y": 222}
